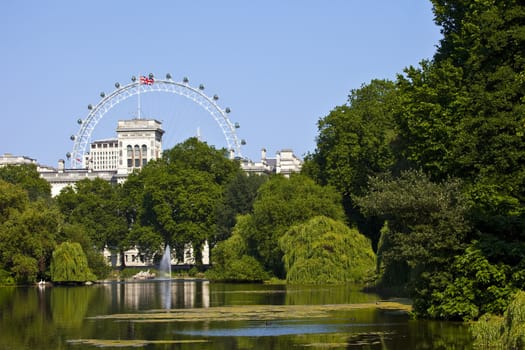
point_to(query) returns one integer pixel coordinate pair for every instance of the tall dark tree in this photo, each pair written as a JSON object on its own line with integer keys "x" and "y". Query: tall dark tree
{"x": 356, "y": 141}
{"x": 462, "y": 114}
{"x": 425, "y": 228}
{"x": 239, "y": 195}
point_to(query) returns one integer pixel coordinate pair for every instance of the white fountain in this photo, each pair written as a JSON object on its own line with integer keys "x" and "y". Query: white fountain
{"x": 165, "y": 264}
{"x": 165, "y": 275}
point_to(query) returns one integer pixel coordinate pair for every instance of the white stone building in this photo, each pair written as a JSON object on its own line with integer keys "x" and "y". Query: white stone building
{"x": 285, "y": 163}
{"x": 9, "y": 159}
{"x": 139, "y": 141}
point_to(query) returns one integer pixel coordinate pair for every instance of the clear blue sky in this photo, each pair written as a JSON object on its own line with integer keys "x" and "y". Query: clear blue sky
{"x": 279, "y": 65}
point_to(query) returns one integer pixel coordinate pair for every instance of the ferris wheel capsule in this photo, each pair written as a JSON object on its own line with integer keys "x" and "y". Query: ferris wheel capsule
{"x": 79, "y": 121}
{"x": 72, "y": 137}
{"x": 117, "y": 84}
{"x": 90, "y": 106}
{"x": 151, "y": 76}
{"x": 201, "y": 87}
{"x": 215, "y": 97}
{"x": 237, "y": 125}
{"x": 102, "y": 94}
{"x": 243, "y": 142}
{"x": 133, "y": 78}
{"x": 185, "y": 80}
{"x": 227, "y": 110}
{"x": 168, "y": 76}
{"x": 68, "y": 155}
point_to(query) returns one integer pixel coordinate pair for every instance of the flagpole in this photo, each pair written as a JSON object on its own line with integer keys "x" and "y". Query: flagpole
{"x": 138, "y": 107}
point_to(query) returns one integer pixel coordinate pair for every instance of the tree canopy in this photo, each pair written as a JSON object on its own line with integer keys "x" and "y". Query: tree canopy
{"x": 456, "y": 123}
{"x": 282, "y": 202}
{"x": 174, "y": 200}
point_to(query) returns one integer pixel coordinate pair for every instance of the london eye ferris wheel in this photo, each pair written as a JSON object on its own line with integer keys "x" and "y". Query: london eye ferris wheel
{"x": 148, "y": 84}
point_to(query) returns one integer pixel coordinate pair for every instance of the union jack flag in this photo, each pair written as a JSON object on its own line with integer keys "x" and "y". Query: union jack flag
{"x": 146, "y": 81}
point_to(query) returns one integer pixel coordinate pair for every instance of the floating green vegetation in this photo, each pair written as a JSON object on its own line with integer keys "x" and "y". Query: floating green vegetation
{"x": 343, "y": 340}
{"x": 118, "y": 343}
{"x": 253, "y": 312}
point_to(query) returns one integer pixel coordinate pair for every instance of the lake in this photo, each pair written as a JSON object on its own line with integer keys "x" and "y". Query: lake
{"x": 197, "y": 314}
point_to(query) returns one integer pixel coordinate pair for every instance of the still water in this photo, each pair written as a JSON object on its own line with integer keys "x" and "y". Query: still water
{"x": 189, "y": 314}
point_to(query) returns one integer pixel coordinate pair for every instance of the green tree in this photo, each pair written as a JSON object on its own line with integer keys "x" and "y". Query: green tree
{"x": 469, "y": 288}
{"x": 198, "y": 155}
{"x": 13, "y": 200}
{"x": 238, "y": 198}
{"x": 28, "y": 232}
{"x": 97, "y": 206}
{"x": 356, "y": 141}
{"x": 27, "y": 177}
{"x": 69, "y": 264}
{"x": 75, "y": 232}
{"x": 323, "y": 250}
{"x": 462, "y": 114}
{"x": 174, "y": 200}
{"x": 281, "y": 203}
{"x": 231, "y": 262}
{"x": 426, "y": 228}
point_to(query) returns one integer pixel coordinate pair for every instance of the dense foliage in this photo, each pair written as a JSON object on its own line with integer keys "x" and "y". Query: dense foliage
{"x": 450, "y": 134}
{"x": 174, "y": 200}
{"x": 28, "y": 233}
{"x": 231, "y": 261}
{"x": 281, "y": 203}
{"x": 27, "y": 178}
{"x": 355, "y": 142}
{"x": 323, "y": 250}
{"x": 502, "y": 332}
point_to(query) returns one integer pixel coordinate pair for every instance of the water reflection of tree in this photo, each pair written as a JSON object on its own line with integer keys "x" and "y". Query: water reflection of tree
{"x": 224, "y": 294}
{"x": 69, "y": 305}
{"x": 327, "y": 294}
{"x": 25, "y": 321}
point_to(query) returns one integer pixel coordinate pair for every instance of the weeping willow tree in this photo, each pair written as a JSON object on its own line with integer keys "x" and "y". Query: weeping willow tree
{"x": 323, "y": 250}
{"x": 69, "y": 264}
{"x": 507, "y": 332}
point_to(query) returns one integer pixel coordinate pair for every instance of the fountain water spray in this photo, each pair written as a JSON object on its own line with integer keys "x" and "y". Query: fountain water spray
{"x": 165, "y": 274}
{"x": 165, "y": 264}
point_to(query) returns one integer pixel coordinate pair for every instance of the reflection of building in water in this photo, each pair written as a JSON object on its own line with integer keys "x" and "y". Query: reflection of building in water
{"x": 189, "y": 294}
{"x": 152, "y": 294}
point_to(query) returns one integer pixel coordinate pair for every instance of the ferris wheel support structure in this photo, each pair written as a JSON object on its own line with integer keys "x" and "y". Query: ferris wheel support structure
{"x": 138, "y": 86}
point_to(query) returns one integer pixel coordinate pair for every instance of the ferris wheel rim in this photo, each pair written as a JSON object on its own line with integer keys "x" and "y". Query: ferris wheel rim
{"x": 83, "y": 136}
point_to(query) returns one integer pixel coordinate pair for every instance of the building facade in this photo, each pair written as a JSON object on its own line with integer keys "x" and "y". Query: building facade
{"x": 139, "y": 141}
